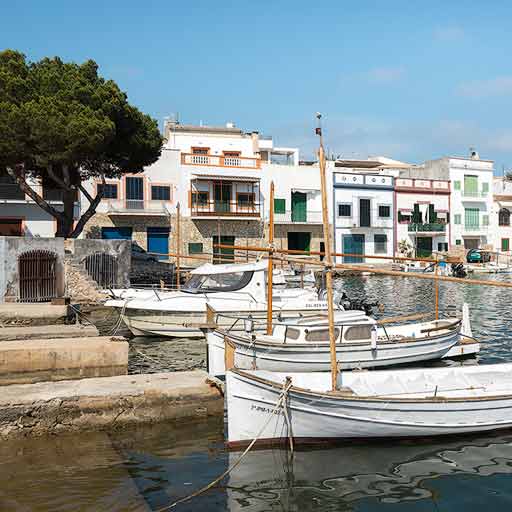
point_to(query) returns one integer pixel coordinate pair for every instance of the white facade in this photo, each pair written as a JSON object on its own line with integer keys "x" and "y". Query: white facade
{"x": 422, "y": 215}
{"x": 501, "y": 215}
{"x": 471, "y": 198}
{"x": 363, "y": 214}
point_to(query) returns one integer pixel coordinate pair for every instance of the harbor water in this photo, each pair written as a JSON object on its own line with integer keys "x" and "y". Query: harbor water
{"x": 148, "y": 468}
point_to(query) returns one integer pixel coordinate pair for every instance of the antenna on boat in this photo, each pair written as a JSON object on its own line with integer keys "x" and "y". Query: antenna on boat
{"x": 328, "y": 255}
{"x": 270, "y": 270}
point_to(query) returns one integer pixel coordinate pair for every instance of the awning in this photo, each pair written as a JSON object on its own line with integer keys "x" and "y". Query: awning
{"x": 223, "y": 177}
{"x": 306, "y": 190}
{"x": 404, "y": 210}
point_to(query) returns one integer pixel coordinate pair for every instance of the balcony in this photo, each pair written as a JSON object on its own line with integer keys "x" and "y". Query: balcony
{"x": 474, "y": 228}
{"x": 431, "y": 227}
{"x": 230, "y": 162}
{"x": 291, "y": 217}
{"x": 137, "y": 207}
{"x": 218, "y": 208}
{"x": 475, "y": 196}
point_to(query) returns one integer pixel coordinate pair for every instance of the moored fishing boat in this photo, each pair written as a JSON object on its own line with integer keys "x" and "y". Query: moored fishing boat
{"x": 408, "y": 403}
{"x": 303, "y": 345}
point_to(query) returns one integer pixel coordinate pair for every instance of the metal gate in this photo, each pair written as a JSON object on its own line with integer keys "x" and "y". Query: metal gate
{"x": 37, "y": 272}
{"x": 102, "y": 268}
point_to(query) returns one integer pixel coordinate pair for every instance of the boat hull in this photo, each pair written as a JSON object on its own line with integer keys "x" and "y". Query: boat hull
{"x": 319, "y": 415}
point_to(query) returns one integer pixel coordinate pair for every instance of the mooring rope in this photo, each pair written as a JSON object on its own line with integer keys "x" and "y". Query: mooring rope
{"x": 282, "y": 398}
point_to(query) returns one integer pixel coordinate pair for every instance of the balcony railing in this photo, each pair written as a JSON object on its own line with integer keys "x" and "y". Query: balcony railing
{"x": 476, "y": 195}
{"x": 472, "y": 227}
{"x": 221, "y": 161}
{"x": 427, "y": 227}
{"x": 225, "y": 209}
{"x": 137, "y": 207}
{"x": 301, "y": 217}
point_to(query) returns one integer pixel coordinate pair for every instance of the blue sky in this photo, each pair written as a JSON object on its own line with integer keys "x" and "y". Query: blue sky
{"x": 412, "y": 80}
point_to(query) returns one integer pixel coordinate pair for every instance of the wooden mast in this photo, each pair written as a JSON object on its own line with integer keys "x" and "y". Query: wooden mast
{"x": 178, "y": 247}
{"x": 270, "y": 269}
{"x": 327, "y": 259}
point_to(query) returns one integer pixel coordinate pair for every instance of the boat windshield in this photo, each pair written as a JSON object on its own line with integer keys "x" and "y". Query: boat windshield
{"x": 217, "y": 282}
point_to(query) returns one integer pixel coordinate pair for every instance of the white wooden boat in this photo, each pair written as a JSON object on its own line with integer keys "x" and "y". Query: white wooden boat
{"x": 303, "y": 345}
{"x": 230, "y": 288}
{"x": 377, "y": 404}
{"x": 489, "y": 268}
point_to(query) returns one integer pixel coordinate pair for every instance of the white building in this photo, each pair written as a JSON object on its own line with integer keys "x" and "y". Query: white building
{"x": 500, "y": 217}
{"x": 363, "y": 213}
{"x": 422, "y": 215}
{"x": 471, "y": 197}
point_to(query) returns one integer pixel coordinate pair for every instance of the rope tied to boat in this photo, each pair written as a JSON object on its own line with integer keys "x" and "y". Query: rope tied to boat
{"x": 281, "y": 402}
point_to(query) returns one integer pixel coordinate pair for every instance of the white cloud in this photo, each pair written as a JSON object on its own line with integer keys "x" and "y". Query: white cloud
{"x": 498, "y": 86}
{"x": 449, "y": 34}
{"x": 385, "y": 74}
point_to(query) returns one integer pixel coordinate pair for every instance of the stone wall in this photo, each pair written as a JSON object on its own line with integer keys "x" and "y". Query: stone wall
{"x": 11, "y": 248}
{"x": 80, "y": 287}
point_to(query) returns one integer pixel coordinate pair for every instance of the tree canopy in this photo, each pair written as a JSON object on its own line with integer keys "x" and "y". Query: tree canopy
{"x": 63, "y": 122}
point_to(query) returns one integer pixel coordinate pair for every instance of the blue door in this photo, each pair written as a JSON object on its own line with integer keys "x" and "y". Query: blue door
{"x": 117, "y": 233}
{"x": 158, "y": 242}
{"x": 353, "y": 244}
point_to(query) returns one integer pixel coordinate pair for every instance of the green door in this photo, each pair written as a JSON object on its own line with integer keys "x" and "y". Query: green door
{"x": 299, "y": 212}
{"x": 298, "y": 241}
{"x": 472, "y": 218}
{"x": 222, "y": 195}
{"x": 470, "y": 186}
{"x": 223, "y": 255}
{"x": 423, "y": 247}
{"x": 353, "y": 244}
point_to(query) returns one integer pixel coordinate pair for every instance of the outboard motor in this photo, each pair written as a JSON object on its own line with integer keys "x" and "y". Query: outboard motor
{"x": 458, "y": 270}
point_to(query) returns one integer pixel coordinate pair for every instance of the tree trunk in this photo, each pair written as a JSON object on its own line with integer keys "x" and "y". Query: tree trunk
{"x": 65, "y": 224}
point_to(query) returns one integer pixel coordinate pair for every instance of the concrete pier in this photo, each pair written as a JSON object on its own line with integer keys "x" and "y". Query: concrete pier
{"x": 67, "y": 358}
{"x": 32, "y": 314}
{"x": 107, "y": 403}
{"x": 41, "y": 332}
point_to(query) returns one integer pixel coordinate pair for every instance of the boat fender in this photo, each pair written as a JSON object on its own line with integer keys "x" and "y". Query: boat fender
{"x": 374, "y": 337}
{"x": 249, "y": 324}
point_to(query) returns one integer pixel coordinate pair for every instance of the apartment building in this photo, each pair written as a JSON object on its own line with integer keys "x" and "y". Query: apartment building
{"x": 500, "y": 217}
{"x": 220, "y": 178}
{"x": 20, "y": 215}
{"x": 363, "y": 216}
{"x": 471, "y": 198}
{"x": 422, "y": 215}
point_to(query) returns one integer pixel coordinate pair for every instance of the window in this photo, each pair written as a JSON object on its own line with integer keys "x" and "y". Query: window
{"x": 442, "y": 246}
{"x": 200, "y": 151}
{"x": 199, "y": 198}
{"x": 457, "y": 218}
{"x": 504, "y": 217}
{"x": 485, "y": 188}
{"x": 245, "y": 199}
{"x": 456, "y": 185}
{"x": 109, "y": 190}
{"x": 344, "y": 210}
{"x": 231, "y": 154}
{"x": 321, "y": 335}
{"x": 458, "y": 242}
{"x": 381, "y": 243}
{"x": 279, "y": 205}
{"x": 505, "y": 244}
{"x": 485, "y": 220}
{"x": 195, "y": 248}
{"x": 358, "y": 333}
{"x": 404, "y": 217}
{"x": 384, "y": 211}
{"x": 160, "y": 192}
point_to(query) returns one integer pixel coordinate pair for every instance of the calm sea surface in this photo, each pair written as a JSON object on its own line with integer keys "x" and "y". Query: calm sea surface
{"x": 148, "y": 468}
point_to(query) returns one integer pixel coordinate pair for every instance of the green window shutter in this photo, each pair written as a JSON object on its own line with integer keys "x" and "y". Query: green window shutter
{"x": 457, "y": 218}
{"x": 485, "y": 188}
{"x": 456, "y": 185}
{"x": 471, "y": 185}
{"x": 279, "y": 205}
{"x": 458, "y": 242}
{"x": 471, "y": 217}
{"x": 505, "y": 244}
{"x": 195, "y": 248}
{"x": 485, "y": 220}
